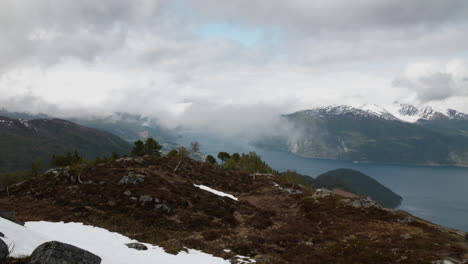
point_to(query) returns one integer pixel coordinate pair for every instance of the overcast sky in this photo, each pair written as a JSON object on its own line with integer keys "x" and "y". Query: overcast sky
{"x": 172, "y": 57}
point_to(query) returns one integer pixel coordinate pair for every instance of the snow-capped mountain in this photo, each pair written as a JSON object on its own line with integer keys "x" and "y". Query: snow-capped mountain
{"x": 366, "y": 111}
{"x": 396, "y": 112}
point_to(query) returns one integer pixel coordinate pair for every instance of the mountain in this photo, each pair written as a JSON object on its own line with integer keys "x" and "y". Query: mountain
{"x": 358, "y": 183}
{"x": 181, "y": 204}
{"x": 402, "y": 135}
{"x": 23, "y": 141}
{"x": 130, "y": 127}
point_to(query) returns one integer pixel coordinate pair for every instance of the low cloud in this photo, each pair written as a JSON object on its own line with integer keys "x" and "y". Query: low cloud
{"x": 435, "y": 81}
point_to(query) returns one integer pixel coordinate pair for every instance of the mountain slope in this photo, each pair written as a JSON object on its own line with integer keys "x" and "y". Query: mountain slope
{"x": 358, "y": 183}
{"x": 372, "y": 134}
{"x": 159, "y": 201}
{"x": 23, "y": 141}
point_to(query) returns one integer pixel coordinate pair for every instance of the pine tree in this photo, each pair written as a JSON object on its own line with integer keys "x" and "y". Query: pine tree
{"x": 138, "y": 149}
{"x": 210, "y": 159}
{"x": 152, "y": 147}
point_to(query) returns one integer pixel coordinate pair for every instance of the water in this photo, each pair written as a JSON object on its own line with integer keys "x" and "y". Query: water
{"x": 437, "y": 194}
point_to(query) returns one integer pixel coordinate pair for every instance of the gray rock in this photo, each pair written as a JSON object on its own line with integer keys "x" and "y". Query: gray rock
{"x": 127, "y": 193}
{"x": 137, "y": 246}
{"x": 162, "y": 207}
{"x": 291, "y": 191}
{"x": 141, "y": 161}
{"x": 322, "y": 193}
{"x": 362, "y": 203}
{"x": 145, "y": 199}
{"x": 406, "y": 220}
{"x": 4, "y": 251}
{"x": 133, "y": 178}
{"x": 60, "y": 253}
{"x": 406, "y": 237}
{"x": 134, "y": 199}
{"x": 8, "y": 215}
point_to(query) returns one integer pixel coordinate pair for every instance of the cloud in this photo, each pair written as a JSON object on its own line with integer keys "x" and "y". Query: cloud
{"x": 435, "y": 81}
{"x": 207, "y": 60}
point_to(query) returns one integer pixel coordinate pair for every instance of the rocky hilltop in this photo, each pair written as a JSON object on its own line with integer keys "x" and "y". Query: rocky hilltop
{"x": 180, "y": 203}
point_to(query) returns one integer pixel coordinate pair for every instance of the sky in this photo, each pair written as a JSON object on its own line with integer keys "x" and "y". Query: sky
{"x": 181, "y": 59}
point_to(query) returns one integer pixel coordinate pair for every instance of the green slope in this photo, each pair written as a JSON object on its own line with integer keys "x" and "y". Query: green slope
{"x": 23, "y": 142}
{"x": 358, "y": 183}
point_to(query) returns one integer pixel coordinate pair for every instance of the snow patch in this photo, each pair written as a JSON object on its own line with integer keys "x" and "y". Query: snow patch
{"x": 108, "y": 245}
{"x": 219, "y": 193}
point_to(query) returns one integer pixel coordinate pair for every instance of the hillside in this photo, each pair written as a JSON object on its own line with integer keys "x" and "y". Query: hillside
{"x": 360, "y": 184}
{"x": 374, "y": 135}
{"x": 29, "y": 140}
{"x": 179, "y": 203}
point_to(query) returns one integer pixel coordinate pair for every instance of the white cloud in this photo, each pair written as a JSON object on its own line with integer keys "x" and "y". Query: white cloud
{"x": 148, "y": 56}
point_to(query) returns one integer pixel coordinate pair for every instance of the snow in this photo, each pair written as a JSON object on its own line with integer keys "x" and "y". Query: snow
{"x": 219, "y": 193}
{"x": 108, "y": 245}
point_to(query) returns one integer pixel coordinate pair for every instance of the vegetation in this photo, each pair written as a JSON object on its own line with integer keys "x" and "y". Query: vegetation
{"x": 149, "y": 147}
{"x": 360, "y": 184}
{"x": 195, "y": 147}
{"x": 211, "y": 159}
{"x": 40, "y": 139}
{"x": 375, "y": 140}
{"x": 223, "y": 156}
{"x": 250, "y": 162}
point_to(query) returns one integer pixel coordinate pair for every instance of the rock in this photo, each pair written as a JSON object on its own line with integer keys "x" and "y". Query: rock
{"x": 134, "y": 199}
{"x": 141, "y": 161}
{"x": 443, "y": 261}
{"x": 4, "y": 251}
{"x": 406, "y": 236}
{"x": 322, "y": 193}
{"x": 127, "y": 193}
{"x": 406, "y": 220}
{"x": 362, "y": 203}
{"x": 60, "y": 253}
{"x": 133, "y": 178}
{"x": 2, "y": 235}
{"x": 162, "y": 207}
{"x": 291, "y": 191}
{"x": 137, "y": 246}
{"x": 145, "y": 199}
{"x": 8, "y": 215}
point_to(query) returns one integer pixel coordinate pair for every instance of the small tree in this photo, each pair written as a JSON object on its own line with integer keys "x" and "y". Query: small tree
{"x": 236, "y": 157}
{"x": 183, "y": 152}
{"x": 210, "y": 159}
{"x": 223, "y": 156}
{"x": 173, "y": 153}
{"x": 115, "y": 156}
{"x": 8, "y": 179}
{"x": 35, "y": 168}
{"x": 152, "y": 147}
{"x": 138, "y": 149}
{"x": 194, "y": 147}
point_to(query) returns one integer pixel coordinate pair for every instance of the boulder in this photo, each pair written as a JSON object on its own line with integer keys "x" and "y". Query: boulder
{"x": 362, "y": 203}
{"x": 141, "y": 161}
{"x": 4, "y": 251}
{"x": 322, "y": 193}
{"x": 137, "y": 246}
{"x": 145, "y": 199}
{"x": 60, "y": 253}
{"x": 133, "y": 178}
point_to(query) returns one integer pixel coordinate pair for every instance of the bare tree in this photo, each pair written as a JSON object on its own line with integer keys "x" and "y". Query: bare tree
{"x": 195, "y": 146}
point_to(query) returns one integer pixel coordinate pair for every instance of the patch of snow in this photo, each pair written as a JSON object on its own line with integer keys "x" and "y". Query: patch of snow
{"x": 219, "y": 193}
{"x": 244, "y": 260}
{"x": 108, "y": 245}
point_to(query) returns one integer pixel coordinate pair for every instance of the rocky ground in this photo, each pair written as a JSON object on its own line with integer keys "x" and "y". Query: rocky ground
{"x": 155, "y": 200}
